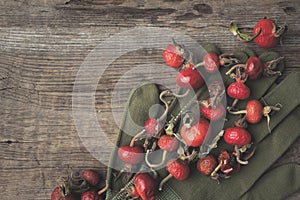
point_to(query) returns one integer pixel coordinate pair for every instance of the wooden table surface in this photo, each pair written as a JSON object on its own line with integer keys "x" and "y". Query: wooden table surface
{"x": 43, "y": 43}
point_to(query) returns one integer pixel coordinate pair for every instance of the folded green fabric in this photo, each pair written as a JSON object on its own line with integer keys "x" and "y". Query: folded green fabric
{"x": 268, "y": 151}
{"x": 269, "y": 146}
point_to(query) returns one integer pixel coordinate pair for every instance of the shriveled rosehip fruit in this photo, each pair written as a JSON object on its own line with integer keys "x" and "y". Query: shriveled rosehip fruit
{"x": 254, "y": 68}
{"x": 145, "y": 185}
{"x": 91, "y": 177}
{"x": 228, "y": 163}
{"x": 206, "y": 164}
{"x": 194, "y": 136}
{"x": 238, "y": 90}
{"x": 178, "y": 169}
{"x": 189, "y": 78}
{"x": 131, "y": 155}
{"x": 237, "y": 136}
{"x": 152, "y": 126}
{"x": 173, "y": 56}
{"x": 269, "y": 35}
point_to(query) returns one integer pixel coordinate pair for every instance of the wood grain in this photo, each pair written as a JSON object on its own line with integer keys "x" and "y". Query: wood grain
{"x": 42, "y": 46}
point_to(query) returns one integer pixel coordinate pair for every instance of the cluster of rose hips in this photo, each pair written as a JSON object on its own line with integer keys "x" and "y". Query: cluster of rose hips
{"x": 78, "y": 186}
{"x": 185, "y": 140}
{"x": 180, "y": 144}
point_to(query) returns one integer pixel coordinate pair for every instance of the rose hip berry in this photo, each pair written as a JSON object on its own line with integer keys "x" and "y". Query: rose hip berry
{"x": 238, "y": 91}
{"x": 167, "y": 143}
{"x": 269, "y": 33}
{"x": 237, "y": 136}
{"x": 145, "y": 187}
{"x": 173, "y": 56}
{"x": 211, "y": 113}
{"x": 131, "y": 155}
{"x": 211, "y": 62}
{"x": 91, "y": 177}
{"x": 152, "y": 126}
{"x": 194, "y": 136}
{"x": 255, "y": 111}
{"x": 189, "y": 78}
{"x": 178, "y": 169}
{"x": 206, "y": 164}
{"x": 266, "y": 33}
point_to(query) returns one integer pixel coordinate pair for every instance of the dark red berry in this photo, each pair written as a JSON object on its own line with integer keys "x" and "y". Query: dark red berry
{"x": 131, "y": 155}
{"x": 254, "y": 68}
{"x": 206, "y": 164}
{"x": 237, "y": 136}
{"x": 195, "y": 135}
{"x": 189, "y": 78}
{"x": 91, "y": 177}
{"x": 178, "y": 169}
{"x": 211, "y": 113}
{"x": 254, "y": 111}
{"x": 268, "y": 37}
{"x": 145, "y": 185}
{"x": 238, "y": 90}
{"x": 173, "y": 56}
{"x": 152, "y": 126}
{"x": 168, "y": 143}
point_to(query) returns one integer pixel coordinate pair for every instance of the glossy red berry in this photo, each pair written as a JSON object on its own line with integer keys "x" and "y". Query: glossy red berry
{"x": 206, "y": 164}
{"x": 238, "y": 90}
{"x": 173, "y": 56}
{"x": 267, "y": 37}
{"x": 237, "y": 136}
{"x": 254, "y": 68}
{"x": 195, "y": 135}
{"x": 254, "y": 111}
{"x": 131, "y": 155}
{"x": 189, "y": 78}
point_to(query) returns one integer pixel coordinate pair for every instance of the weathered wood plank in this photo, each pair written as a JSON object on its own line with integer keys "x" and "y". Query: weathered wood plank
{"x": 42, "y": 46}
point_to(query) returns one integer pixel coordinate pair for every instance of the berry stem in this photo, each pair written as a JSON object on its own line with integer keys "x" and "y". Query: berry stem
{"x": 237, "y": 112}
{"x": 238, "y": 156}
{"x": 267, "y": 110}
{"x": 137, "y": 137}
{"x": 233, "y": 28}
{"x": 164, "y": 181}
{"x": 235, "y": 101}
{"x": 234, "y": 67}
{"x": 228, "y": 60}
{"x": 101, "y": 191}
{"x": 151, "y": 165}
